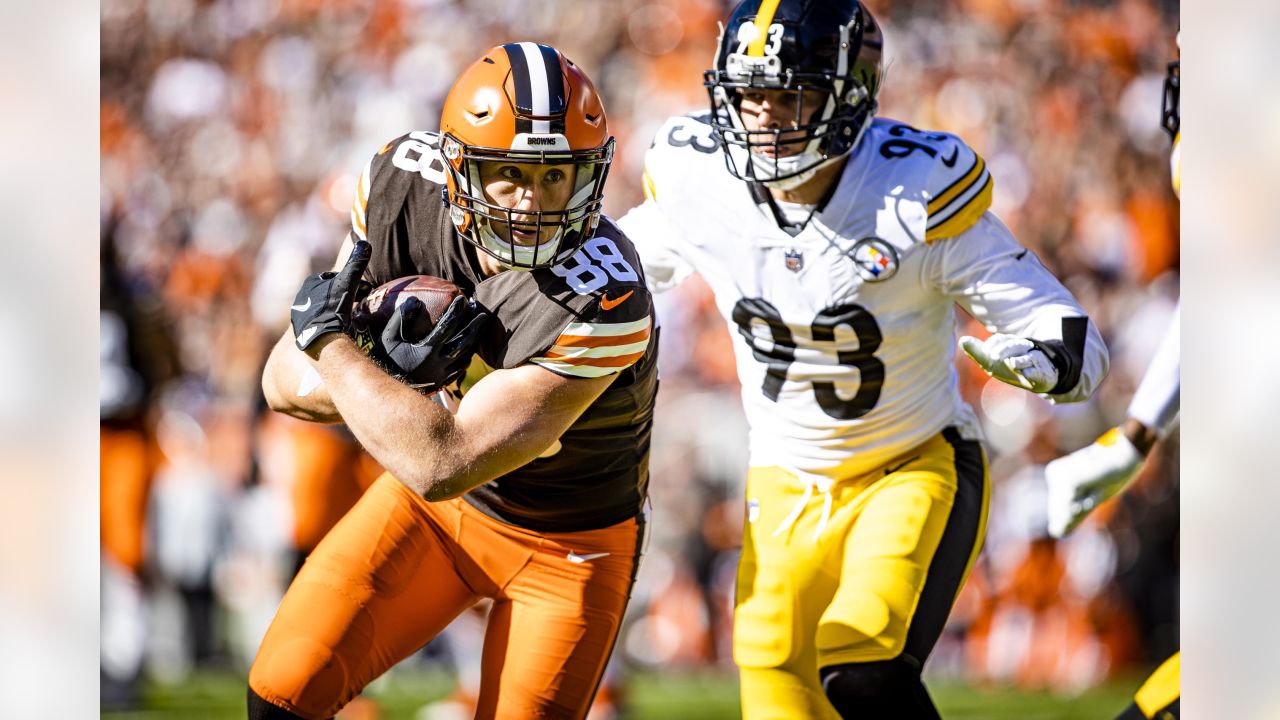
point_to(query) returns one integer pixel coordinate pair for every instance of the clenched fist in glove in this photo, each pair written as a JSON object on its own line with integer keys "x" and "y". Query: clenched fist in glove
{"x": 430, "y": 358}
{"x": 1015, "y": 360}
{"x": 1083, "y": 480}
{"x": 324, "y": 303}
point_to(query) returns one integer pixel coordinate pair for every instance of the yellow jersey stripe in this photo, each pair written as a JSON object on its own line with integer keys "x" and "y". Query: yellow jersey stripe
{"x": 965, "y": 217}
{"x": 649, "y": 192}
{"x": 959, "y": 186}
{"x": 764, "y": 18}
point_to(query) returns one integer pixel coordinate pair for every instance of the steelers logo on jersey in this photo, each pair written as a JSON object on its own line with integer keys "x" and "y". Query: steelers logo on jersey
{"x": 875, "y": 258}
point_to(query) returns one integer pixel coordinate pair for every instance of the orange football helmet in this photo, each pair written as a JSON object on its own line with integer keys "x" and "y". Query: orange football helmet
{"x": 525, "y": 103}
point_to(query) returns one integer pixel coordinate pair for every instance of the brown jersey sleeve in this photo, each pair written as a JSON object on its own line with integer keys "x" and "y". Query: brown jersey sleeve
{"x": 588, "y": 317}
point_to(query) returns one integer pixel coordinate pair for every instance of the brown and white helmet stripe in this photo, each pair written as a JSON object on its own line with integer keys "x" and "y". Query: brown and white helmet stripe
{"x": 539, "y": 88}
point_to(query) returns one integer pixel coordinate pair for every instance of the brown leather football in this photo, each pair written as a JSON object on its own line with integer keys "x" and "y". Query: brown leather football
{"x": 373, "y": 312}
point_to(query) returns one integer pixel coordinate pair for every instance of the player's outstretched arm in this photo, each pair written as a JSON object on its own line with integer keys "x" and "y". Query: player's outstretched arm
{"x": 1083, "y": 480}
{"x": 506, "y": 420}
{"x": 1044, "y": 341}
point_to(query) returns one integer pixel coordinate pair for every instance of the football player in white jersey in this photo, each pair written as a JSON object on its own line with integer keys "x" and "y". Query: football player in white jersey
{"x": 1082, "y": 480}
{"x": 837, "y": 245}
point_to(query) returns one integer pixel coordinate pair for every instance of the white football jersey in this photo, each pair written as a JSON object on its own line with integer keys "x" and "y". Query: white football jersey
{"x": 845, "y": 333}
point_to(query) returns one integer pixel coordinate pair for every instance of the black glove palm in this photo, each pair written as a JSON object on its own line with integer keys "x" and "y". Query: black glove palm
{"x": 432, "y": 360}
{"x": 324, "y": 303}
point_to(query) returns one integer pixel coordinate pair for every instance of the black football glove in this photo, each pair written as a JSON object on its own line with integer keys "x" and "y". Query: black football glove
{"x": 325, "y": 302}
{"x": 432, "y": 360}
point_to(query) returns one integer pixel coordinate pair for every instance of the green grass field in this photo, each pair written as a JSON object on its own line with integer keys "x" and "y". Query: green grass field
{"x": 685, "y": 696}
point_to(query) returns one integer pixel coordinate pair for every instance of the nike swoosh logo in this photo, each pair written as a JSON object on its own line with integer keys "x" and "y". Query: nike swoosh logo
{"x": 303, "y": 307}
{"x": 1022, "y": 254}
{"x": 579, "y": 559}
{"x": 305, "y": 335}
{"x": 892, "y": 470}
{"x": 607, "y": 304}
{"x": 951, "y": 161}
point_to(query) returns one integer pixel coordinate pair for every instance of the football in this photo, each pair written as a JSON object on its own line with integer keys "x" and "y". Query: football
{"x": 373, "y": 312}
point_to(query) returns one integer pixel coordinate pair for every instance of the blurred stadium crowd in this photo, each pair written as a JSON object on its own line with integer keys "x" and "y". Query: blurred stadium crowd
{"x": 232, "y": 132}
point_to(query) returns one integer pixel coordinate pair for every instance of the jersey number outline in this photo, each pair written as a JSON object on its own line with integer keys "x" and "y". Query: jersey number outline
{"x": 902, "y": 147}
{"x": 428, "y": 163}
{"x": 692, "y": 140}
{"x": 779, "y": 357}
{"x": 585, "y": 277}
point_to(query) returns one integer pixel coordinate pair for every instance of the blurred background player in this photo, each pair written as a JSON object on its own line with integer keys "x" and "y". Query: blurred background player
{"x": 1079, "y": 482}
{"x": 137, "y": 358}
{"x": 837, "y": 244}
{"x": 531, "y": 494}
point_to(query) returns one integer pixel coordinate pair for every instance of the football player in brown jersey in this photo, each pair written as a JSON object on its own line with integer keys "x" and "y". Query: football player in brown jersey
{"x": 532, "y": 491}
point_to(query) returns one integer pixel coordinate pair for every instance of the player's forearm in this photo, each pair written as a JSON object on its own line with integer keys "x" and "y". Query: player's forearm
{"x": 292, "y": 385}
{"x": 414, "y": 438}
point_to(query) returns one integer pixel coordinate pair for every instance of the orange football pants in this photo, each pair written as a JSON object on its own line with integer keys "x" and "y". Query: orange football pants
{"x": 125, "y": 472}
{"x": 397, "y": 569}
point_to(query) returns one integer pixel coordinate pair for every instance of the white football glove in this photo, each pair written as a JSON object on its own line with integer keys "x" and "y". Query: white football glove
{"x": 1081, "y": 481}
{"x": 1014, "y": 360}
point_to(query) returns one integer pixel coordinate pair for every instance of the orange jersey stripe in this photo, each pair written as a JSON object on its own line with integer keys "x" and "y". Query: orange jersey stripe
{"x": 601, "y": 340}
{"x": 616, "y": 361}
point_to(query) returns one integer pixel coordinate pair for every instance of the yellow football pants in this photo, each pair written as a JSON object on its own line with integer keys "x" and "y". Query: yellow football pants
{"x": 1159, "y": 697}
{"x": 865, "y": 572}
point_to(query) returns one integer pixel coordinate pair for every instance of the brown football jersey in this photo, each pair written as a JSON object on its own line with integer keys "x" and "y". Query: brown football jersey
{"x": 589, "y": 316}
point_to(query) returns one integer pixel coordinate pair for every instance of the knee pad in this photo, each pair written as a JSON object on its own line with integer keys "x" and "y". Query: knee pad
{"x": 885, "y": 690}
{"x": 260, "y": 709}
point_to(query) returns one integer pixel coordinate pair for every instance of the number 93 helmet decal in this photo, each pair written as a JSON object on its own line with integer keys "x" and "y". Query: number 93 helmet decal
{"x": 824, "y": 56}
{"x": 515, "y": 111}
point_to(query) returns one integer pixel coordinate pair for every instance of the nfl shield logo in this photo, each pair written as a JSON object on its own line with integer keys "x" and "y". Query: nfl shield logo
{"x": 795, "y": 260}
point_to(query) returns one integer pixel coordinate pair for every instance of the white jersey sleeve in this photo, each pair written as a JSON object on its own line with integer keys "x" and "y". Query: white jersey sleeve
{"x": 657, "y": 240}
{"x": 651, "y": 225}
{"x": 1159, "y": 395}
{"x": 1006, "y": 288}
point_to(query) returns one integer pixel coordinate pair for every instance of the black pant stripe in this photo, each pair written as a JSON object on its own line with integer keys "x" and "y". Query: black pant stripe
{"x": 947, "y": 568}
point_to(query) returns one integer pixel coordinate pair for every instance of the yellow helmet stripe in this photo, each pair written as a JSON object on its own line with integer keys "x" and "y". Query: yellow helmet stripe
{"x": 764, "y": 18}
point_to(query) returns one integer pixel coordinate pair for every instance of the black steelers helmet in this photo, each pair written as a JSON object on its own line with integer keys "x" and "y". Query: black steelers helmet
{"x": 829, "y": 46}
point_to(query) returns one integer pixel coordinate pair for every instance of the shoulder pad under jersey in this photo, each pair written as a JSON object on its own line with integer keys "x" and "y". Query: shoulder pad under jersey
{"x": 959, "y": 188}
{"x": 388, "y": 175}
{"x": 681, "y": 142}
{"x": 587, "y": 317}
{"x": 953, "y": 179}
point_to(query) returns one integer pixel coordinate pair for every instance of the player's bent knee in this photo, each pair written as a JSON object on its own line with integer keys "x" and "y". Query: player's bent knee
{"x": 885, "y": 690}
{"x": 303, "y": 674}
{"x": 260, "y": 709}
